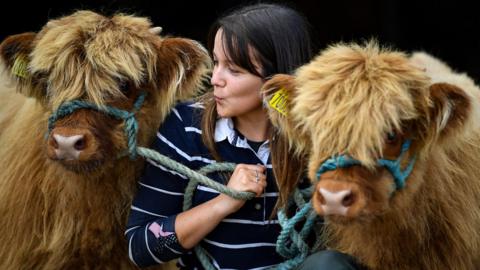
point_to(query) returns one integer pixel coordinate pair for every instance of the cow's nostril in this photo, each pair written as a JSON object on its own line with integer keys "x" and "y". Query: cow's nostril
{"x": 321, "y": 198}
{"x": 53, "y": 142}
{"x": 80, "y": 144}
{"x": 348, "y": 200}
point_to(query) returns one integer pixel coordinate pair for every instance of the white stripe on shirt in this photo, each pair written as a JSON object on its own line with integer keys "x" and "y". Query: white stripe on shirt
{"x": 198, "y": 105}
{"x": 146, "y": 212}
{"x": 133, "y": 228}
{"x": 270, "y": 194}
{"x": 165, "y": 169}
{"x": 161, "y": 190}
{"x": 181, "y": 153}
{"x": 239, "y": 246}
{"x": 206, "y": 189}
{"x": 180, "y": 261}
{"x": 264, "y": 267}
{"x": 148, "y": 246}
{"x": 177, "y": 114}
{"x": 130, "y": 255}
{"x": 246, "y": 221}
{"x": 211, "y": 190}
{"x": 173, "y": 250}
{"x": 193, "y": 129}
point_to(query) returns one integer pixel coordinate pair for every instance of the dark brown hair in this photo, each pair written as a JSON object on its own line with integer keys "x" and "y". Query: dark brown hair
{"x": 281, "y": 40}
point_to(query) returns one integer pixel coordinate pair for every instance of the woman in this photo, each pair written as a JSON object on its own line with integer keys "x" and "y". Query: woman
{"x": 247, "y": 46}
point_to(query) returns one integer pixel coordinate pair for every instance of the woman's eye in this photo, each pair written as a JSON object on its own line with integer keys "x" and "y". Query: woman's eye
{"x": 234, "y": 70}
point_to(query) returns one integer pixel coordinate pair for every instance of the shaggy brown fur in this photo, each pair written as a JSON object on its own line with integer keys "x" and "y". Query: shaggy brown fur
{"x": 364, "y": 101}
{"x": 70, "y": 214}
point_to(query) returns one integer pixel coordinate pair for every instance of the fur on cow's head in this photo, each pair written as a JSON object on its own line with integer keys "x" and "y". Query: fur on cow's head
{"x": 106, "y": 61}
{"x": 365, "y": 102}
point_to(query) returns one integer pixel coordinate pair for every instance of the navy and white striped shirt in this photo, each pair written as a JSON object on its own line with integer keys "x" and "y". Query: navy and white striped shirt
{"x": 243, "y": 240}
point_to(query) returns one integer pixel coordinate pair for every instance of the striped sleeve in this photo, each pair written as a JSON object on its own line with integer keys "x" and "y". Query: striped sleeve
{"x": 150, "y": 229}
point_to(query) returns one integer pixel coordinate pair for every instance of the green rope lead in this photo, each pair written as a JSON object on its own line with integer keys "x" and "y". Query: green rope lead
{"x": 193, "y": 175}
{"x": 194, "y": 179}
{"x": 290, "y": 244}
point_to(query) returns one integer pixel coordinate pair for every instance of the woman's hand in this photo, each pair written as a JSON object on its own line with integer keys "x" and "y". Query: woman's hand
{"x": 245, "y": 177}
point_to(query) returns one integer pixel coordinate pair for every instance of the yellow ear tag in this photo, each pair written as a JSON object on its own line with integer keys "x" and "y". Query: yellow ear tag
{"x": 279, "y": 101}
{"x": 20, "y": 67}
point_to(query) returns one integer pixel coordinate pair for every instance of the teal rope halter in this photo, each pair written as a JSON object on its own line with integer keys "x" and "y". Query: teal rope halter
{"x": 131, "y": 124}
{"x": 393, "y": 166}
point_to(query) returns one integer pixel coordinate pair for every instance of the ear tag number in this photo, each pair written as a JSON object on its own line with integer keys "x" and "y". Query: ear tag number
{"x": 20, "y": 67}
{"x": 279, "y": 101}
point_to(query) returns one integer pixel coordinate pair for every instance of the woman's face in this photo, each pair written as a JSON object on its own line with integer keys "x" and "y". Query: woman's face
{"x": 236, "y": 91}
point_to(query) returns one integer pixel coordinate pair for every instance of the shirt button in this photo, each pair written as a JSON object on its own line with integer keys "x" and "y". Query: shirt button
{"x": 258, "y": 206}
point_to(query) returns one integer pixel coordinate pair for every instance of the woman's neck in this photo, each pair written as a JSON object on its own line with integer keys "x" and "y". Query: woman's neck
{"x": 254, "y": 125}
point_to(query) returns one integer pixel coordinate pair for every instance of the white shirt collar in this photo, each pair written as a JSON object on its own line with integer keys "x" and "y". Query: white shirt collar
{"x": 224, "y": 130}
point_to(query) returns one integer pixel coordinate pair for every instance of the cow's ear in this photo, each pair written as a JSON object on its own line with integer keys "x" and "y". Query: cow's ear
{"x": 277, "y": 95}
{"x": 451, "y": 109}
{"x": 183, "y": 67}
{"x": 15, "y": 51}
{"x": 15, "y": 57}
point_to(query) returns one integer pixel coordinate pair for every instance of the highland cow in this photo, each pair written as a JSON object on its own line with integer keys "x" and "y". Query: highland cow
{"x": 67, "y": 180}
{"x": 393, "y": 148}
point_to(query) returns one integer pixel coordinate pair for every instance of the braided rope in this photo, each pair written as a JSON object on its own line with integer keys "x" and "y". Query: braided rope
{"x": 194, "y": 179}
{"x": 131, "y": 124}
{"x": 195, "y": 176}
{"x": 290, "y": 243}
{"x": 393, "y": 166}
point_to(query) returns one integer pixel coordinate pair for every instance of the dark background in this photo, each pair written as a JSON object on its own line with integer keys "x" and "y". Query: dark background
{"x": 449, "y": 30}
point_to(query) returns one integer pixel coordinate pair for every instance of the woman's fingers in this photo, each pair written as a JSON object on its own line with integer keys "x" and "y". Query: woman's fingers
{"x": 250, "y": 177}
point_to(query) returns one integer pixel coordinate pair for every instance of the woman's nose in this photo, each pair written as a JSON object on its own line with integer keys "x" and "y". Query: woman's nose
{"x": 217, "y": 79}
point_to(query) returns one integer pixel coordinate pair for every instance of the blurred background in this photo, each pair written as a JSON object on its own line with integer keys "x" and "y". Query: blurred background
{"x": 449, "y": 30}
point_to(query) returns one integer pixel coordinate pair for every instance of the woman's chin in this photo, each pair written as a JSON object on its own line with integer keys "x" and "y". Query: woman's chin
{"x": 223, "y": 113}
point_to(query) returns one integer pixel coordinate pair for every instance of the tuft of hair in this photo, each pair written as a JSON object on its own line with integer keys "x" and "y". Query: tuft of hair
{"x": 439, "y": 71}
{"x": 376, "y": 82}
{"x": 89, "y": 54}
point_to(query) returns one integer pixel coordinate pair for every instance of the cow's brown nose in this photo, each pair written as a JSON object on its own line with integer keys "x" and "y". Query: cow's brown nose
{"x": 336, "y": 202}
{"x": 335, "y": 197}
{"x": 67, "y": 147}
